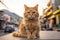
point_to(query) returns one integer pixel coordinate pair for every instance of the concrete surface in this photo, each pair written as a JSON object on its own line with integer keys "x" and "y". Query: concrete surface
{"x": 49, "y": 35}
{"x": 44, "y": 35}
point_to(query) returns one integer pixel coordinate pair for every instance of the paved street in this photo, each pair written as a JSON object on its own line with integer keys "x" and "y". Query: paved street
{"x": 2, "y": 33}
{"x": 44, "y": 35}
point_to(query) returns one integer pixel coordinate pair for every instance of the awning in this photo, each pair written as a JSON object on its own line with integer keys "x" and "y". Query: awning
{"x": 44, "y": 16}
{"x": 57, "y": 11}
{"x": 52, "y": 16}
{"x": 49, "y": 12}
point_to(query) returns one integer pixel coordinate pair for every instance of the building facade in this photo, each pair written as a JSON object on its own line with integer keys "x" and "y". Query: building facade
{"x": 56, "y": 9}
{"x": 8, "y": 18}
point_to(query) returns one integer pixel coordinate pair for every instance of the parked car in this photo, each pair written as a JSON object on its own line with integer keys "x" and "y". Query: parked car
{"x": 9, "y": 29}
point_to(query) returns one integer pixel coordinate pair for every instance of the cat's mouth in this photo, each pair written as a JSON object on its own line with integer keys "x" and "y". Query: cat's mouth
{"x": 31, "y": 18}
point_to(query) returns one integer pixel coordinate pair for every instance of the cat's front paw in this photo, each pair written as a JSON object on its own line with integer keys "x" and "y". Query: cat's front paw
{"x": 34, "y": 36}
{"x": 28, "y": 36}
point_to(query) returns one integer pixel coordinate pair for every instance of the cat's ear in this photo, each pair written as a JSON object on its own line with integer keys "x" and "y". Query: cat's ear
{"x": 25, "y": 6}
{"x": 36, "y": 7}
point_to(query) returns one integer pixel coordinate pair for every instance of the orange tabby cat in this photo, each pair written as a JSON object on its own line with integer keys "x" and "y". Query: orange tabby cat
{"x": 29, "y": 27}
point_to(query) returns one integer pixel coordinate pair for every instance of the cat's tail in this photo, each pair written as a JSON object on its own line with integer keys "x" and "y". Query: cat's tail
{"x": 18, "y": 34}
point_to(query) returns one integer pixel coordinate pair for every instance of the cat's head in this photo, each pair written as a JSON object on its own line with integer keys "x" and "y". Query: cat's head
{"x": 31, "y": 13}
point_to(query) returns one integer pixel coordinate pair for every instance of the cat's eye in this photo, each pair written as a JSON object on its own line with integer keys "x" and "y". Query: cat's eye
{"x": 28, "y": 12}
{"x": 33, "y": 12}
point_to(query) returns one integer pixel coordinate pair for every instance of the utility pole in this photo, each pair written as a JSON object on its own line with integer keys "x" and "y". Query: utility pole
{"x": 3, "y": 3}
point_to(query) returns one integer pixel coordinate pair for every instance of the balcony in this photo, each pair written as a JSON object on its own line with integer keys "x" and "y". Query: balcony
{"x": 48, "y": 8}
{"x": 57, "y": 11}
{"x": 49, "y": 12}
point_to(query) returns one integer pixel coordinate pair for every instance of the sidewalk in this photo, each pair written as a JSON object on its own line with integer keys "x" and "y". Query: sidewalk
{"x": 44, "y": 35}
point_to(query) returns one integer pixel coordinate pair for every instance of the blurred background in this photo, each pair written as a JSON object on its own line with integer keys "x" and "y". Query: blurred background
{"x": 11, "y": 14}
